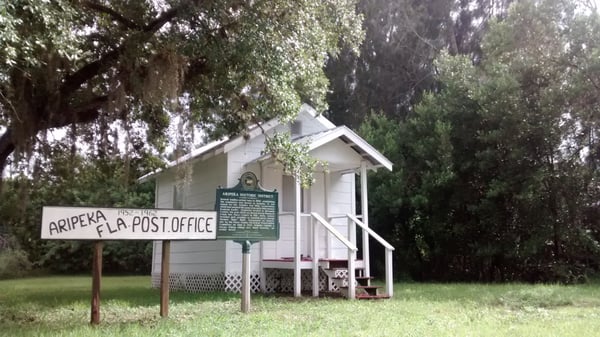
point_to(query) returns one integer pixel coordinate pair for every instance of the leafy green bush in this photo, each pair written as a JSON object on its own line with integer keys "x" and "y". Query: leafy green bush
{"x": 13, "y": 263}
{"x": 98, "y": 183}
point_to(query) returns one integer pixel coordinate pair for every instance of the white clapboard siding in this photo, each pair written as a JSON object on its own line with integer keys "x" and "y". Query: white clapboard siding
{"x": 163, "y": 199}
{"x": 238, "y": 161}
{"x": 222, "y": 166}
{"x": 342, "y": 192}
{"x": 317, "y": 200}
{"x": 270, "y": 179}
{"x": 200, "y": 193}
{"x": 206, "y": 178}
{"x": 164, "y": 190}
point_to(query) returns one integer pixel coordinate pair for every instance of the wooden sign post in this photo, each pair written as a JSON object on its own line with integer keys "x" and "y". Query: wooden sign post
{"x": 247, "y": 214}
{"x": 165, "y": 267}
{"x": 96, "y": 278}
{"x": 90, "y": 223}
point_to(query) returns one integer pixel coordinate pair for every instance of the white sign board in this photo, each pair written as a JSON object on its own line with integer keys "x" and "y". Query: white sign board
{"x": 89, "y": 223}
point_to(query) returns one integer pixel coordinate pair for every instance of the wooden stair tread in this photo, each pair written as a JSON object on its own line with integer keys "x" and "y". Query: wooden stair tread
{"x": 356, "y": 278}
{"x": 342, "y": 268}
{"x": 364, "y": 287}
{"x": 372, "y": 297}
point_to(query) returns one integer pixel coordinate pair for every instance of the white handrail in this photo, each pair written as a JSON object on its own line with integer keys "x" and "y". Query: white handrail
{"x": 371, "y": 232}
{"x": 389, "y": 269}
{"x": 352, "y": 249}
{"x": 334, "y": 231}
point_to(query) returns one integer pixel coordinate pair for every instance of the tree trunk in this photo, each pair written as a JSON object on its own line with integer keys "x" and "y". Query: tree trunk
{"x": 7, "y": 146}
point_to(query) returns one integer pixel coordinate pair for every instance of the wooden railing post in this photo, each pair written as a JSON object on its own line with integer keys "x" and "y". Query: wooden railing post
{"x": 350, "y": 244}
{"x": 389, "y": 279}
{"x": 365, "y": 218}
{"x": 297, "y": 236}
{"x": 351, "y": 260}
{"x": 315, "y": 258}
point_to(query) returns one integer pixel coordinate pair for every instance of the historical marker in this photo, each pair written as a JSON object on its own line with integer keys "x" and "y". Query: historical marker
{"x": 245, "y": 213}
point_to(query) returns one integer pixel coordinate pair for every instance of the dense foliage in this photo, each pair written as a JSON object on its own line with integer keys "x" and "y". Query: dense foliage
{"x": 213, "y": 66}
{"x": 396, "y": 61}
{"x": 496, "y": 173}
{"x": 92, "y": 93}
{"x": 490, "y": 115}
{"x": 75, "y": 181}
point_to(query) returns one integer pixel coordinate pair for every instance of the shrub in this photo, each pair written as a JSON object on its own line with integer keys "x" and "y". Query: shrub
{"x": 13, "y": 263}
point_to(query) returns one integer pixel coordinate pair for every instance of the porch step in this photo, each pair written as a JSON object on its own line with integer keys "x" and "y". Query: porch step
{"x": 360, "y": 280}
{"x": 357, "y": 278}
{"x": 369, "y": 290}
{"x": 364, "y": 291}
{"x": 338, "y": 264}
{"x": 332, "y": 272}
{"x": 372, "y": 297}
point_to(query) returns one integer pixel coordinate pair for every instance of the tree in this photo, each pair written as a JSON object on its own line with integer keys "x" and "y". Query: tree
{"x": 395, "y": 64}
{"x": 469, "y": 21}
{"x": 396, "y": 61}
{"x": 496, "y": 175}
{"x": 218, "y": 65}
{"x": 75, "y": 181}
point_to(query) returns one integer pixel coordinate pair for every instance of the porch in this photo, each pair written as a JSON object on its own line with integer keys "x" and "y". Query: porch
{"x": 319, "y": 225}
{"x": 324, "y": 274}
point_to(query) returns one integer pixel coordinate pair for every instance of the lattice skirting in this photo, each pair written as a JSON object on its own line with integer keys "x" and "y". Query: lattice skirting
{"x": 282, "y": 280}
{"x": 193, "y": 282}
{"x": 277, "y": 280}
{"x": 343, "y": 273}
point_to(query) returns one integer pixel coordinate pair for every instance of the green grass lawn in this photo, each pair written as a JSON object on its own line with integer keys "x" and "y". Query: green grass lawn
{"x": 60, "y": 306}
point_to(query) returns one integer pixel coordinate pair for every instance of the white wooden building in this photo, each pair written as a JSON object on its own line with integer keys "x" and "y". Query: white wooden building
{"x": 318, "y": 226}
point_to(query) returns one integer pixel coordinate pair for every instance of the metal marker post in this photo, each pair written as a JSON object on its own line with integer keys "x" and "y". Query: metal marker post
{"x": 245, "y": 275}
{"x": 260, "y": 209}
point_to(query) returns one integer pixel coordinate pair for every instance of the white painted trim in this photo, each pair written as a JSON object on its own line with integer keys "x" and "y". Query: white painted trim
{"x": 297, "y": 240}
{"x": 263, "y": 274}
{"x": 352, "y": 261}
{"x": 254, "y": 132}
{"x": 364, "y": 202}
{"x": 326, "y": 137}
{"x": 327, "y": 208}
{"x": 203, "y": 151}
{"x": 371, "y": 232}
{"x": 225, "y": 145}
{"x": 334, "y": 231}
{"x": 389, "y": 273}
{"x": 315, "y": 258}
{"x": 319, "y": 139}
{"x": 319, "y": 117}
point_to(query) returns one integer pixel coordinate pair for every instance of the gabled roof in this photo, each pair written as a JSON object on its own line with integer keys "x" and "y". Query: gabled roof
{"x": 226, "y": 144}
{"x": 315, "y": 140}
{"x": 350, "y": 138}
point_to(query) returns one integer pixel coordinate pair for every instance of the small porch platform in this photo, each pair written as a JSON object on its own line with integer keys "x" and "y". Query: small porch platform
{"x": 331, "y": 274}
{"x": 307, "y": 263}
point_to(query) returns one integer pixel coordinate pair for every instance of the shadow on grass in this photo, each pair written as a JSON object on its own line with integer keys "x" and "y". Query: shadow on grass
{"x": 64, "y": 291}
{"x": 144, "y": 297}
{"x": 136, "y": 292}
